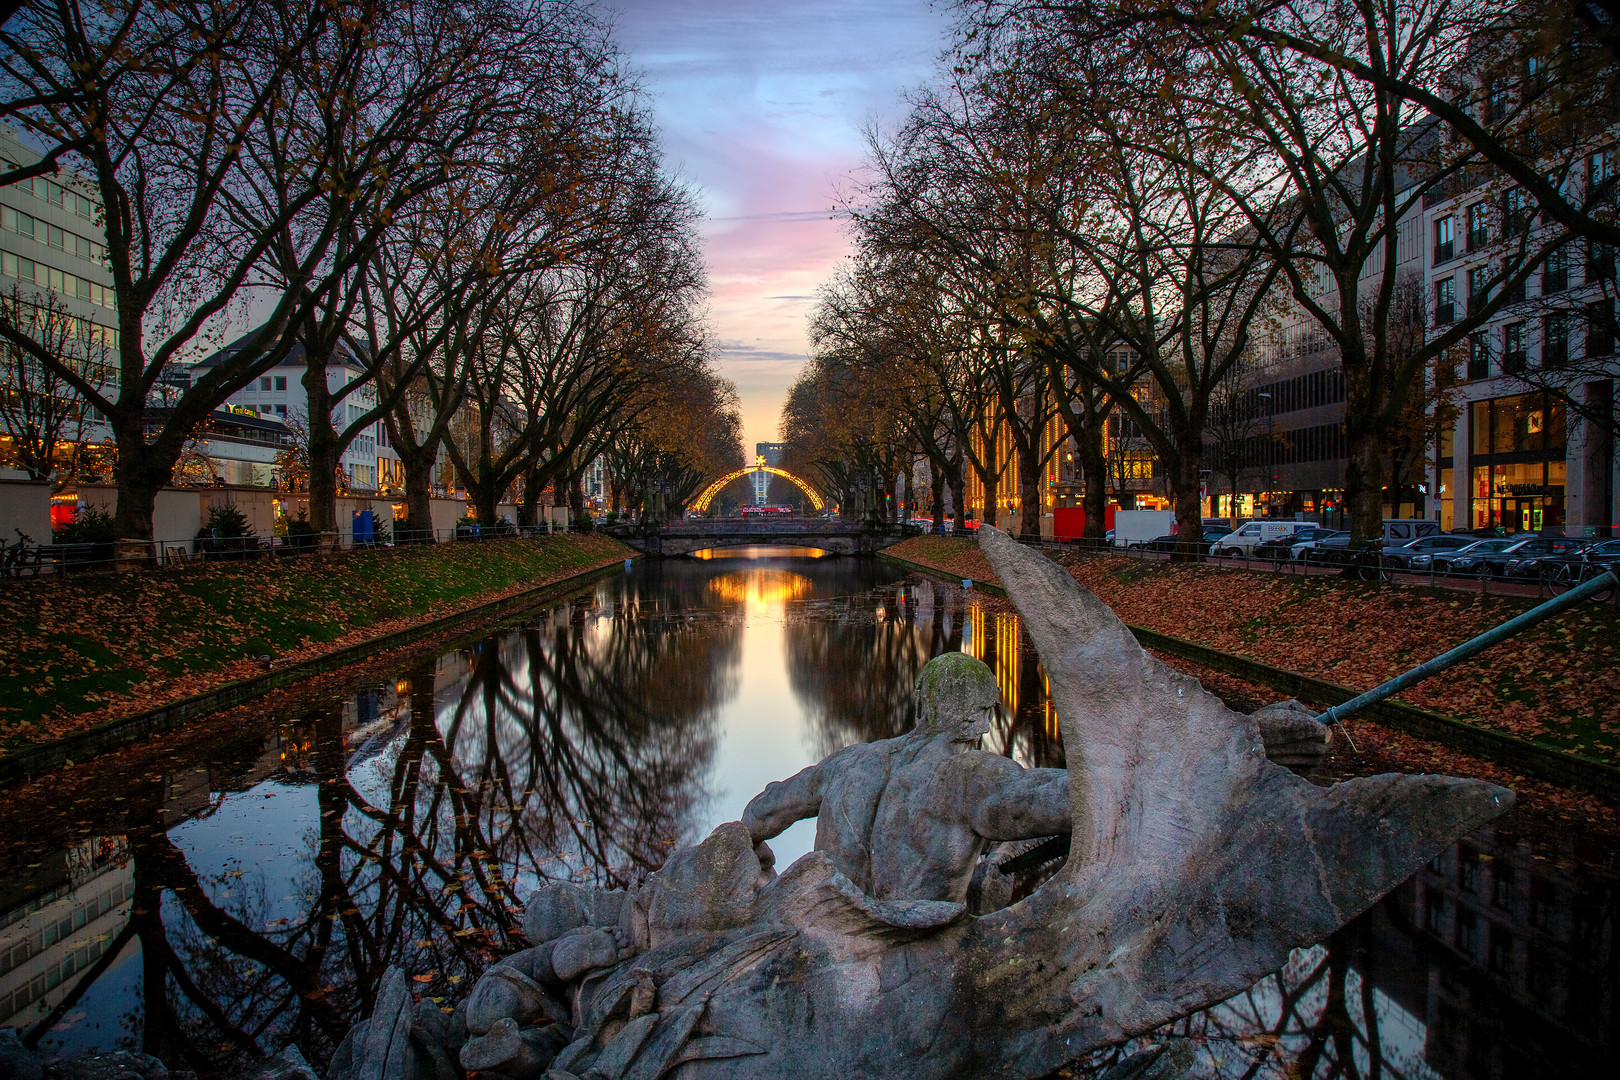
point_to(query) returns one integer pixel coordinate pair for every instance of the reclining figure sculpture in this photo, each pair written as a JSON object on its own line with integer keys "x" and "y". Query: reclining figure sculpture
{"x": 1196, "y": 864}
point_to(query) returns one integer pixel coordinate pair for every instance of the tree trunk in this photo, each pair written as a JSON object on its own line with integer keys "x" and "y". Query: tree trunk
{"x": 576, "y": 495}
{"x": 1189, "y": 505}
{"x": 1029, "y": 495}
{"x": 990, "y": 476}
{"x": 419, "y": 495}
{"x": 139, "y": 474}
{"x": 936, "y": 490}
{"x": 1094, "y": 471}
{"x": 323, "y": 445}
{"x": 958, "y": 482}
{"x": 1362, "y": 473}
{"x": 529, "y": 502}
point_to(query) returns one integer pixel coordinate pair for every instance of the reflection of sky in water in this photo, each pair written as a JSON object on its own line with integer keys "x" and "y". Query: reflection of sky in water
{"x": 764, "y": 729}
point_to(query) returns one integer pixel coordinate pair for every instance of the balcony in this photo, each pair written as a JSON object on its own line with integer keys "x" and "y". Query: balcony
{"x": 1513, "y": 362}
{"x": 1444, "y": 252}
{"x": 1445, "y": 314}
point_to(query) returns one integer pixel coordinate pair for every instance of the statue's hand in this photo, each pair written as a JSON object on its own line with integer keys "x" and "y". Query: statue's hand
{"x": 577, "y": 954}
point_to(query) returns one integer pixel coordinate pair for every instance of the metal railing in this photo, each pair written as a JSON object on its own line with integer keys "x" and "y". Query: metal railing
{"x": 24, "y": 559}
{"x": 1546, "y": 579}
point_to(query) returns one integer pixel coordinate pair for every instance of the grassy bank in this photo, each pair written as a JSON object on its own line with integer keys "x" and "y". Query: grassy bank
{"x": 83, "y": 650}
{"x": 1557, "y": 685}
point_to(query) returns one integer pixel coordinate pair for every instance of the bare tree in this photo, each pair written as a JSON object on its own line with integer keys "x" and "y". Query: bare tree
{"x": 39, "y": 410}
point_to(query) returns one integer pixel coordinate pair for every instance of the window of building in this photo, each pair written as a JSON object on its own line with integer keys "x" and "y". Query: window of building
{"x": 1555, "y": 340}
{"x": 1599, "y": 262}
{"x": 1467, "y": 869}
{"x": 1600, "y": 169}
{"x": 1444, "y": 242}
{"x": 1500, "y": 957}
{"x": 1502, "y": 881}
{"x": 1600, "y": 327}
{"x": 57, "y": 195}
{"x": 1479, "y": 356}
{"x": 1512, "y": 284}
{"x": 281, "y": 382}
{"x": 1479, "y": 226}
{"x": 1467, "y": 931}
{"x": 1445, "y": 301}
{"x": 1516, "y": 211}
{"x": 1479, "y": 291}
{"x": 57, "y": 281}
{"x": 264, "y": 383}
{"x": 281, "y": 410}
{"x": 1555, "y": 272}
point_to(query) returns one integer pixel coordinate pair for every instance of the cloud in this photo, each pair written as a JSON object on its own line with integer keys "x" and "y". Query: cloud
{"x": 763, "y": 108}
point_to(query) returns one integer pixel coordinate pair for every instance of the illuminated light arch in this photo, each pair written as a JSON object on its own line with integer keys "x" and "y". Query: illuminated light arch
{"x": 701, "y": 503}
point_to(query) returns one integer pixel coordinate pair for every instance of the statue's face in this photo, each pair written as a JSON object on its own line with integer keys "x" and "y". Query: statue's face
{"x": 956, "y": 697}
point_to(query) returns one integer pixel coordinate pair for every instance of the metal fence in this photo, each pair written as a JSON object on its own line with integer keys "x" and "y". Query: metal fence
{"x": 24, "y": 559}
{"x": 1371, "y": 566}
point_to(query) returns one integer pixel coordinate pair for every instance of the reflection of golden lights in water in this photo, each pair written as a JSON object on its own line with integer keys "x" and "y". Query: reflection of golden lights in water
{"x": 1004, "y": 661}
{"x": 760, "y": 551}
{"x": 760, "y": 589}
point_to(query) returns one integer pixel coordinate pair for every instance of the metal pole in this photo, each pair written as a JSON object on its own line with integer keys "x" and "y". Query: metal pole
{"x": 1537, "y": 614}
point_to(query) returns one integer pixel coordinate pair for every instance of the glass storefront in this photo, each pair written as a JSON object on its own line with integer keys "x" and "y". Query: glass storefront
{"x": 1526, "y": 497}
{"x": 1517, "y": 481}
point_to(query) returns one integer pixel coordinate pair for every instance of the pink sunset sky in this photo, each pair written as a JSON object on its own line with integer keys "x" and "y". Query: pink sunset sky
{"x": 762, "y": 106}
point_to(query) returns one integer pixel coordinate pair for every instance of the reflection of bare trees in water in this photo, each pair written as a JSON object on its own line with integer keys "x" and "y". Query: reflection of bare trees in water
{"x": 575, "y": 746}
{"x": 591, "y": 738}
{"x": 852, "y": 669}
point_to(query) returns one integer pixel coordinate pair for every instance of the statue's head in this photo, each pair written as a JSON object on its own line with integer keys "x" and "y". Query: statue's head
{"x": 955, "y": 696}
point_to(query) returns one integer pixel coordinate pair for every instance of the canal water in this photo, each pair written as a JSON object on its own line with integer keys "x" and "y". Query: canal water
{"x": 249, "y": 897}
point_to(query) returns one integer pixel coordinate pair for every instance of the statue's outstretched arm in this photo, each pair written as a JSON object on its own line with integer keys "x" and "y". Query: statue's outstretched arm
{"x": 782, "y": 803}
{"x": 1009, "y": 802}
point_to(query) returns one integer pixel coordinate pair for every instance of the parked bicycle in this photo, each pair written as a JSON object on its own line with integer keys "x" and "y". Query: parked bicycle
{"x": 21, "y": 558}
{"x": 1562, "y": 577}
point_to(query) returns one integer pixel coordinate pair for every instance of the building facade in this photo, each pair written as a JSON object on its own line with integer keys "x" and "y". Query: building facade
{"x": 278, "y": 396}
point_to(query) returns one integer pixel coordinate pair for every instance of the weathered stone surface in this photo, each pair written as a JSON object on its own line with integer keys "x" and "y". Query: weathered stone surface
{"x": 1196, "y": 864}
{"x": 908, "y": 818}
{"x": 287, "y": 1065}
{"x": 1293, "y": 737}
{"x": 120, "y": 1065}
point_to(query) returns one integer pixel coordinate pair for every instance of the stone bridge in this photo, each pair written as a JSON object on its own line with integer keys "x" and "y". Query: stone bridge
{"x": 832, "y": 536}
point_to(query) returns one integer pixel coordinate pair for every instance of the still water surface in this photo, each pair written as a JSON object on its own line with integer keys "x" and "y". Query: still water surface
{"x": 253, "y": 895}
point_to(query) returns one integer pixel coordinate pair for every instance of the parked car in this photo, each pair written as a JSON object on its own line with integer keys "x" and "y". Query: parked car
{"x": 1521, "y": 549}
{"x": 1443, "y": 560}
{"x": 1400, "y": 530}
{"x": 1303, "y": 547}
{"x": 1215, "y": 527}
{"x": 1399, "y": 556}
{"x": 1531, "y": 556}
{"x": 1168, "y": 542}
{"x": 1250, "y": 533}
{"x": 1282, "y": 547}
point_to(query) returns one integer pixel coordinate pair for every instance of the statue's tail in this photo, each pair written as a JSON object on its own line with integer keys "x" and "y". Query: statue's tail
{"x": 1197, "y": 863}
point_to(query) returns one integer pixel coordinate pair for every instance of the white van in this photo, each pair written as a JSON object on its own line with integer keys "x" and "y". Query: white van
{"x": 1250, "y": 533}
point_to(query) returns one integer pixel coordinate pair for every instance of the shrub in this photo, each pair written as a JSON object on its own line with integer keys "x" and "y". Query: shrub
{"x": 226, "y": 533}
{"x": 584, "y": 523}
{"x": 92, "y": 526}
{"x": 299, "y": 533}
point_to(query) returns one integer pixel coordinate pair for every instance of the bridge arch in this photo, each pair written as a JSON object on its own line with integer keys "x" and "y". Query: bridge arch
{"x": 701, "y": 503}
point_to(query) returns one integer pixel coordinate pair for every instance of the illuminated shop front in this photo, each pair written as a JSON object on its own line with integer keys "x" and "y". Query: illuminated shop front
{"x": 1517, "y": 462}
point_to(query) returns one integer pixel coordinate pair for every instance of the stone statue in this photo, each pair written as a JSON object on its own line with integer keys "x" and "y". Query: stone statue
{"x": 1196, "y": 864}
{"x": 907, "y": 818}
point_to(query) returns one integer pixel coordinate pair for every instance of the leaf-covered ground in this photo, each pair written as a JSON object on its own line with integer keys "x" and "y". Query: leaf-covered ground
{"x": 80, "y": 650}
{"x": 1558, "y": 684}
